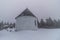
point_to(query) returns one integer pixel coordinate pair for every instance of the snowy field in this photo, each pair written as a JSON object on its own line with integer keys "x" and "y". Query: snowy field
{"x": 41, "y": 34}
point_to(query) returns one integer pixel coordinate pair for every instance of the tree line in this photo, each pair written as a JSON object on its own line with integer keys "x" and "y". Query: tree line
{"x": 49, "y": 23}
{"x": 6, "y": 25}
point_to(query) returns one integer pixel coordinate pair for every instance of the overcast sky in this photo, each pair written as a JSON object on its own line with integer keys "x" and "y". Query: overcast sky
{"x": 9, "y": 9}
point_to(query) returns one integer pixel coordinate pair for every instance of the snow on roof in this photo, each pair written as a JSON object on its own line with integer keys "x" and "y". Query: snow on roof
{"x": 26, "y": 12}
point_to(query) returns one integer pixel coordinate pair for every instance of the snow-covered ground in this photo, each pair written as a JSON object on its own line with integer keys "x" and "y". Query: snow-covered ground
{"x": 41, "y": 34}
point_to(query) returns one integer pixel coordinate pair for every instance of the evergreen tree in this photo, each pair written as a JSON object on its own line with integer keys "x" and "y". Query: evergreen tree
{"x": 55, "y": 23}
{"x": 58, "y": 24}
{"x": 42, "y": 23}
{"x": 13, "y": 25}
{"x": 1, "y": 25}
{"x": 49, "y": 22}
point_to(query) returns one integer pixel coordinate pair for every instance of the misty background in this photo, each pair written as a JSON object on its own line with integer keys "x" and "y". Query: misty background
{"x": 9, "y": 9}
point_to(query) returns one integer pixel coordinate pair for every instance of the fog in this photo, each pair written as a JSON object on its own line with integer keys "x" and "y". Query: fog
{"x": 9, "y": 9}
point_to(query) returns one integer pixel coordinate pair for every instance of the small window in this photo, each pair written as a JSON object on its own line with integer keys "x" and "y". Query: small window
{"x": 35, "y": 22}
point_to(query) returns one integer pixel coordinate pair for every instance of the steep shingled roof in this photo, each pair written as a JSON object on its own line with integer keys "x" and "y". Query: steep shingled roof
{"x": 26, "y": 12}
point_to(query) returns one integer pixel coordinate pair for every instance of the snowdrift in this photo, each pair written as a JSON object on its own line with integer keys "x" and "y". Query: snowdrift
{"x": 41, "y": 34}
